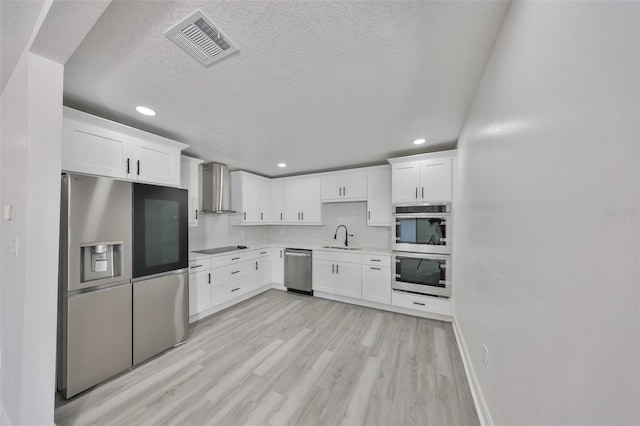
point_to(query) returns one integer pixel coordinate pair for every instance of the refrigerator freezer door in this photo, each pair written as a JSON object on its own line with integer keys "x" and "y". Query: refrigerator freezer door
{"x": 98, "y": 340}
{"x": 160, "y": 314}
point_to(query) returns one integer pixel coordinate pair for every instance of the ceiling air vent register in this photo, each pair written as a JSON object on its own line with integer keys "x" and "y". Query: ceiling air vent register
{"x": 197, "y": 35}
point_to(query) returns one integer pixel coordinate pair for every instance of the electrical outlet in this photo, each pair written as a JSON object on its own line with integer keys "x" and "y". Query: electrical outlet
{"x": 486, "y": 357}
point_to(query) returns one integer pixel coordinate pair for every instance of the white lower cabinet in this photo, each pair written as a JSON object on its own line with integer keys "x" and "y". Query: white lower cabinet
{"x": 262, "y": 273}
{"x": 376, "y": 284}
{"x": 337, "y": 273}
{"x": 218, "y": 280}
{"x": 277, "y": 265}
{"x": 434, "y": 305}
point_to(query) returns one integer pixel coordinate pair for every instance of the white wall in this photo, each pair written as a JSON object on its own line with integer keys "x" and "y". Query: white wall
{"x": 216, "y": 230}
{"x": 31, "y": 147}
{"x": 548, "y": 217}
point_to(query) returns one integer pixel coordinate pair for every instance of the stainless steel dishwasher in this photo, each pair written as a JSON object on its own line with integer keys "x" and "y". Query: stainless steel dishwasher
{"x": 297, "y": 270}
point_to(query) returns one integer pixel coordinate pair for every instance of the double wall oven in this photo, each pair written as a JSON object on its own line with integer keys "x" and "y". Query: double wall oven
{"x": 422, "y": 248}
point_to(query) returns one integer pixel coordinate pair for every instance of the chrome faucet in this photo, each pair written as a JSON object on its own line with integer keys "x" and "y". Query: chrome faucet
{"x": 346, "y": 235}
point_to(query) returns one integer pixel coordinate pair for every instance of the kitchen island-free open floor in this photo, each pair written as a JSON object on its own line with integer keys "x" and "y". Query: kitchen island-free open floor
{"x": 282, "y": 358}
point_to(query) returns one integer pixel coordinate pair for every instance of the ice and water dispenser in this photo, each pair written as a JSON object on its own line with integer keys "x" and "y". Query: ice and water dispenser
{"x": 101, "y": 260}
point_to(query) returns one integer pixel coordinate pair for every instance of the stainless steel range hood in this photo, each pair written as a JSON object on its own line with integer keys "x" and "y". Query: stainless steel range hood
{"x": 215, "y": 190}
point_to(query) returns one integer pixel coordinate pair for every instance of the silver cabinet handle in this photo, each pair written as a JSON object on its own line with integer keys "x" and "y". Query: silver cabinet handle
{"x": 128, "y": 169}
{"x": 280, "y": 254}
{"x": 280, "y": 216}
{"x": 416, "y": 192}
{"x": 302, "y": 215}
{"x": 235, "y": 258}
{"x": 256, "y": 266}
{"x": 333, "y": 268}
{"x": 375, "y": 260}
{"x": 235, "y": 272}
{"x": 423, "y": 192}
{"x": 344, "y": 190}
{"x": 261, "y": 216}
{"x": 337, "y": 269}
{"x": 369, "y": 213}
{"x": 236, "y": 289}
{"x": 196, "y": 214}
{"x": 418, "y": 303}
{"x": 244, "y": 215}
{"x": 209, "y": 278}
{"x": 376, "y": 269}
{"x": 196, "y": 266}
{"x": 138, "y": 162}
{"x": 339, "y": 191}
{"x": 263, "y": 252}
{"x": 298, "y": 215}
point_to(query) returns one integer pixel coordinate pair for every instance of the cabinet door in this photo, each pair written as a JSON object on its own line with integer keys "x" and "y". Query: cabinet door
{"x": 199, "y": 292}
{"x": 189, "y": 181}
{"x": 155, "y": 163}
{"x": 349, "y": 279}
{"x": 376, "y": 284}
{"x": 312, "y": 207}
{"x": 265, "y": 201}
{"x": 406, "y": 179}
{"x": 293, "y": 200}
{"x": 90, "y": 149}
{"x": 250, "y": 199}
{"x": 435, "y": 179}
{"x": 262, "y": 271}
{"x": 277, "y": 202}
{"x": 379, "y": 199}
{"x": 323, "y": 276}
{"x": 277, "y": 265}
{"x": 344, "y": 187}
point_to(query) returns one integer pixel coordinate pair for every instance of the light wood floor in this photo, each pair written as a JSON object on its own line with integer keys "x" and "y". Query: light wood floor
{"x": 282, "y": 358}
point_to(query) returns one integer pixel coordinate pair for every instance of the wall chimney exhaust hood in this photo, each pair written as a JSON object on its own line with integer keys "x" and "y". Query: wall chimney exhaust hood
{"x": 215, "y": 190}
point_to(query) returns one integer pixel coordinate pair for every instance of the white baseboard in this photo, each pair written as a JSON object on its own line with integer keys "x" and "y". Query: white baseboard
{"x": 278, "y": 286}
{"x": 382, "y": 306}
{"x": 478, "y": 398}
{"x": 195, "y": 317}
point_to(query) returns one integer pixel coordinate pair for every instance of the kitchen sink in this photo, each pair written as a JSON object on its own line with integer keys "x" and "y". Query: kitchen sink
{"x": 342, "y": 248}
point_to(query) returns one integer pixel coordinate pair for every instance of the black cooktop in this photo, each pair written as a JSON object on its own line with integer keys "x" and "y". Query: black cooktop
{"x": 217, "y": 250}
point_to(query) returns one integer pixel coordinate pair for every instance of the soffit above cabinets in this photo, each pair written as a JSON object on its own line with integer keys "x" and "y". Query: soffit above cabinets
{"x": 317, "y": 85}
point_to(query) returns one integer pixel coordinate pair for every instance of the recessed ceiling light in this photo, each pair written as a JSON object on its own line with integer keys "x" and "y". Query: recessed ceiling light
{"x": 419, "y": 141}
{"x": 282, "y": 165}
{"x": 145, "y": 111}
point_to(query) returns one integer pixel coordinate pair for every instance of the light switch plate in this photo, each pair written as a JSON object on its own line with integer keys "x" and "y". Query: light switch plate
{"x": 8, "y": 212}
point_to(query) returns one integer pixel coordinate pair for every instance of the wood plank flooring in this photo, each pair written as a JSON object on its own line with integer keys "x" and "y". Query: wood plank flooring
{"x": 287, "y": 359}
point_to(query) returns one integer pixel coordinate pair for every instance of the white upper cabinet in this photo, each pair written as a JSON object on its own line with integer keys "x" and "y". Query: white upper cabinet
{"x": 435, "y": 179}
{"x": 101, "y": 147}
{"x": 277, "y": 202}
{"x": 250, "y": 197}
{"x": 422, "y": 178}
{"x": 302, "y": 204}
{"x": 189, "y": 181}
{"x": 344, "y": 187}
{"x": 379, "y": 198}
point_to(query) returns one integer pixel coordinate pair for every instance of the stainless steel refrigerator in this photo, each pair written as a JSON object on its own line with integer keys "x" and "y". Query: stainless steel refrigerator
{"x": 123, "y": 291}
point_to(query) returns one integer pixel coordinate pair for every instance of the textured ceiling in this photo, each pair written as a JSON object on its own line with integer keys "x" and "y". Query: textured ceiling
{"x": 317, "y": 84}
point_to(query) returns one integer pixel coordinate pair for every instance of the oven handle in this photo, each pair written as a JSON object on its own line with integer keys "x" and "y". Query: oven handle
{"x": 444, "y": 216}
{"x": 424, "y": 256}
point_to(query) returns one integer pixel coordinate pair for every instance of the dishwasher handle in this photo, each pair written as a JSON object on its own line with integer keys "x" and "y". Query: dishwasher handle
{"x": 296, "y": 254}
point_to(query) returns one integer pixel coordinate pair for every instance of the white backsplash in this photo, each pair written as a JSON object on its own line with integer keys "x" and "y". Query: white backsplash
{"x": 215, "y": 230}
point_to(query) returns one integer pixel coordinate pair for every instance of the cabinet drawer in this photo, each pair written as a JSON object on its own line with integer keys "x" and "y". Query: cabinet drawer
{"x": 376, "y": 260}
{"x": 229, "y": 259}
{"x": 224, "y": 274}
{"x": 199, "y": 265}
{"x": 421, "y": 303}
{"x": 262, "y": 253}
{"x": 333, "y": 256}
{"x": 229, "y": 291}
